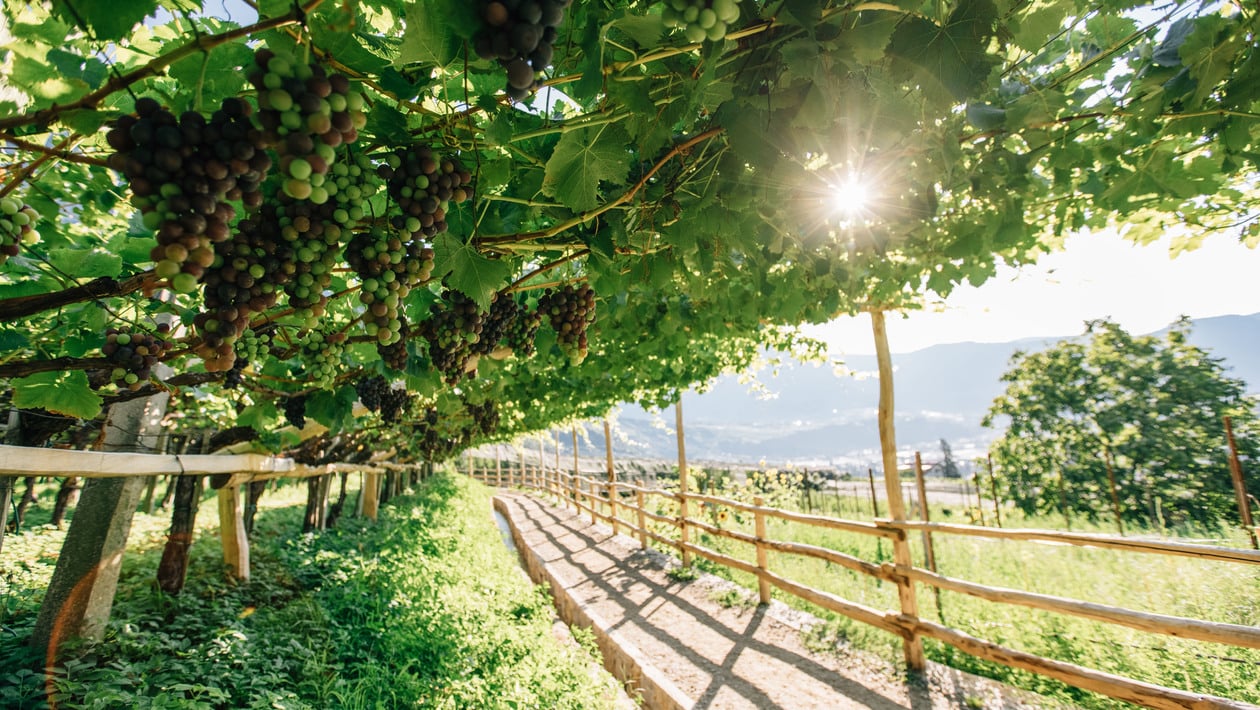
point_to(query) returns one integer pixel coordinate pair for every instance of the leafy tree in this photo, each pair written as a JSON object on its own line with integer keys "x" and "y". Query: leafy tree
{"x": 1151, "y": 409}
{"x": 949, "y": 467}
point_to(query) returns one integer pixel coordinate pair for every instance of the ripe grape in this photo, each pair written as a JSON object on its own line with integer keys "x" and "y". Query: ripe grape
{"x": 394, "y": 355}
{"x": 520, "y": 34}
{"x": 371, "y": 391}
{"x": 295, "y": 410}
{"x": 453, "y": 327}
{"x": 394, "y": 404}
{"x": 424, "y": 184}
{"x": 503, "y": 314}
{"x": 133, "y": 355}
{"x": 570, "y": 309}
{"x": 520, "y": 334}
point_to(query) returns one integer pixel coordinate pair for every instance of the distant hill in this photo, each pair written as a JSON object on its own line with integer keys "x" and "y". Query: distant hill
{"x": 816, "y": 415}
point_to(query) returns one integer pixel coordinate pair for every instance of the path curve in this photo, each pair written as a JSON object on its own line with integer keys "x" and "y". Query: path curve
{"x": 675, "y": 646}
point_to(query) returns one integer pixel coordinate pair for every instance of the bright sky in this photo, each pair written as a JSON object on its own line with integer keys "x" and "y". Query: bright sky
{"x": 1095, "y": 276}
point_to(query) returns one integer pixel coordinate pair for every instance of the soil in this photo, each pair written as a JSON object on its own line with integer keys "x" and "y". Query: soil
{"x": 730, "y": 655}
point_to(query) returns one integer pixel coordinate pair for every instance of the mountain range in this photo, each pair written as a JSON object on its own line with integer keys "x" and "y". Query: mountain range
{"x": 819, "y": 415}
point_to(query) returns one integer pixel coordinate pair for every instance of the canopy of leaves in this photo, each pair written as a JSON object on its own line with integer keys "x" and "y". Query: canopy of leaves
{"x": 1153, "y": 409}
{"x": 688, "y": 184}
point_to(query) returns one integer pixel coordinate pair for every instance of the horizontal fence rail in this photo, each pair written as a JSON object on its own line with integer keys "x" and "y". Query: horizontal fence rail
{"x": 606, "y": 500}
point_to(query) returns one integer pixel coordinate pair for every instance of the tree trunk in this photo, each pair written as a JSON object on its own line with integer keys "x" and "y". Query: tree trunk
{"x": 149, "y": 490}
{"x": 27, "y": 498}
{"x": 335, "y": 511}
{"x": 67, "y": 496}
{"x": 169, "y": 495}
{"x": 387, "y": 489}
{"x": 310, "y": 521}
{"x": 173, "y": 569}
{"x": 256, "y": 489}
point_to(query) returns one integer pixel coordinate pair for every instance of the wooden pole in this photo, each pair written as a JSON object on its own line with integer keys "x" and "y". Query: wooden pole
{"x": 521, "y": 481}
{"x": 542, "y": 467}
{"x": 759, "y": 527}
{"x": 498, "y": 465}
{"x": 683, "y": 534}
{"x": 1240, "y": 484}
{"x": 371, "y": 495}
{"x": 639, "y": 501}
{"x": 997, "y": 511}
{"x": 1111, "y": 484}
{"x": 232, "y": 532}
{"x": 870, "y": 477}
{"x": 929, "y": 554}
{"x": 612, "y": 474}
{"x": 913, "y": 645}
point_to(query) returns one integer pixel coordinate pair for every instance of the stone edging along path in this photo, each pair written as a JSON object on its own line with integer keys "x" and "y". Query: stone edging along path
{"x": 674, "y": 646}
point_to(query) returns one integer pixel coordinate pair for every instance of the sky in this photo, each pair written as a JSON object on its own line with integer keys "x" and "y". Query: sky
{"x": 1096, "y": 275}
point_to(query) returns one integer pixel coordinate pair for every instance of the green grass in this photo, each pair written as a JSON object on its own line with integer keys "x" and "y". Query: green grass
{"x": 424, "y": 608}
{"x": 1213, "y": 591}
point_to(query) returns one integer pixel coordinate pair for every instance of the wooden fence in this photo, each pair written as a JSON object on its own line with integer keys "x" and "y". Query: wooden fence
{"x": 623, "y": 505}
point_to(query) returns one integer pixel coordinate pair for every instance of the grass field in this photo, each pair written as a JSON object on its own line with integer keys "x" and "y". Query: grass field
{"x": 425, "y": 608}
{"x": 1213, "y": 591}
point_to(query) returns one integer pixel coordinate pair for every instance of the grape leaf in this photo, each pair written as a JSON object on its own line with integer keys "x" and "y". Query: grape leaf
{"x": 108, "y": 21}
{"x": 81, "y": 263}
{"x": 65, "y": 392}
{"x": 468, "y": 272}
{"x": 427, "y": 39}
{"x": 582, "y": 158}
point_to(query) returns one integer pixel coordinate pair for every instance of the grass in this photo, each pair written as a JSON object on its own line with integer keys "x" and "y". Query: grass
{"x": 425, "y": 607}
{"x": 1213, "y": 591}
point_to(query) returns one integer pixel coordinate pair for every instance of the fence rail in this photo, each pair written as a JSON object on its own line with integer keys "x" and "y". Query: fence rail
{"x": 607, "y": 500}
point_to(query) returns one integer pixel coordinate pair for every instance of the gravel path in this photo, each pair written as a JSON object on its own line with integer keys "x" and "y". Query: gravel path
{"x": 744, "y": 656}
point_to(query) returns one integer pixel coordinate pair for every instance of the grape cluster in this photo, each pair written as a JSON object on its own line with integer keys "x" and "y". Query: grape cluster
{"x": 504, "y": 312}
{"x": 295, "y": 410}
{"x": 521, "y": 333}
{"x": 485, "y": 416}
{"x": 570, "y": 309}
{"x": 372, "y": 391}
{"x": 701, "y": 19}
{"x": 305, "y": 112}
{"x": 314, "y": 238}
{"x": 251, "y": 347}
{"x": 133, "y": 354}
{"x": 244, "y": 279}
{"x": 182, "y": 172}
{"x": 424, "y": 184}
{"x": 394, "y": 404}
{"x": 321, "y": 355}
{"x": 453, "y": 327}
{"x": 394, "y": 355}
{"x": 520, "y": 34}
{"x": 389, "y": 268}
{"x": 17, "y": 225}
{"x": 352, "y": 181}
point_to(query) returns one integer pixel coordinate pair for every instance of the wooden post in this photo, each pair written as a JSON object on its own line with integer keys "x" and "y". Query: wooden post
{"x": 683, "y": 534}
{"x": 542, "y": 467}
{"x": 1240, "y": 484}
{"x": 1111, "y": 484}
{"x": 913, "y": 646}
{"x": 232, "y": 532}
{"x": 639, "y": 501}
{"x": 371, "y": 495}
{"x": 612, "y": 474}
{"x": 521, "y": 460}
{"x": 979, "y": 499}
{"x": 759, "y": 527}
{"x": 929, "y": 554}
{"x": 173, "y": 569}
{"x": 870, "y": 477}
{"x": 997, "y": 510}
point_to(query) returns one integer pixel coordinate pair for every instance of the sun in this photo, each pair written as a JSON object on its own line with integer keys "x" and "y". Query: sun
{"x": 850, "y": 198}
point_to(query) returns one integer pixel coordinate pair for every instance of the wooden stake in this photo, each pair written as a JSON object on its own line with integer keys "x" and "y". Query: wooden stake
{"x": 997, "y": 511}
{"x": 542, "y": 467}
{"x": 498, "y": 466}
{"x": 639, "y": 502}
{"x": 913, "y": 645}
{"x": 612, "y": 474}
{"x": 371, "y": 495}
{"x": 1111, "y": 484}
{"x": 759, "y": 528}
{"x": 929, "y": 554}
{"x": 870, "y": 477}
{"x": 683, "y": 535}
{"x": 1240, "y": 484}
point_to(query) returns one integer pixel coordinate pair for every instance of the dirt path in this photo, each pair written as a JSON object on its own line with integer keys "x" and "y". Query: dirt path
{"x": 738, "y": 657}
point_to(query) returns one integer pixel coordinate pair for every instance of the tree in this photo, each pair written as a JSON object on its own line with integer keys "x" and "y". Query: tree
{"x": 1148, "y": 409}
{"x": 948, "y": 466}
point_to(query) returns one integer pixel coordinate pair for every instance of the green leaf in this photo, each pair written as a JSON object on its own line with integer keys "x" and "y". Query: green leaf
{"x": 11, "y": 340}
{"x": 65, "y": 393}
{"x": 645, "y": 30}
{"x": 260, "y": 417}
{"x": 108, "y": 21}
{"x": 332, "y": 409}
{"x": 468, "y": 272}
{"x": 427, "y": 39}
{"x": 85, "y": 263}
{"x": 581, "y": 160}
